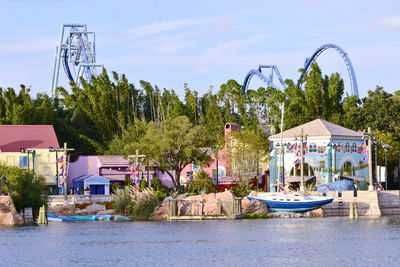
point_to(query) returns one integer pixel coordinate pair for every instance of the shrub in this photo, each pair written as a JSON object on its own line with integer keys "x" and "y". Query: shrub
{"x": 138, "y": 204}
{"x": 26, "y": 188}
{"x": 201, "y": 183}
{"x": 241, "y": 190}
{"x": 257, "y": 216}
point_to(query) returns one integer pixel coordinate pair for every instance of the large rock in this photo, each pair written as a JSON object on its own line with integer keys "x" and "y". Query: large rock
{"x": 8, "y": 214}
{"x": 62, "y": 210}
{"x": 96, "y": 207}
{"x": 253, "y": 206}
{"x": 106, "y": 212}
{"x": 226, "y": 195}
{"x": 81, "y": 212}
{"x": 160, "y": 213}
{"x": 317, "y": 213}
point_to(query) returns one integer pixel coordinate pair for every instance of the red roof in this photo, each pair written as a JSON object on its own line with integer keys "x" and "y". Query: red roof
{"x": 15, "y": 137}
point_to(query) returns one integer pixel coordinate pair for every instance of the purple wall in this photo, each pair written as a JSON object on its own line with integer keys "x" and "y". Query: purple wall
{"x": 86, "y": 165}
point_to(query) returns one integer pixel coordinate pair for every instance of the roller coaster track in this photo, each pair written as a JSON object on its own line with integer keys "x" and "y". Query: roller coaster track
{"x": 77, "y": 54}
{"x": 273, "y": 69}
{"x": 346, "y": 59}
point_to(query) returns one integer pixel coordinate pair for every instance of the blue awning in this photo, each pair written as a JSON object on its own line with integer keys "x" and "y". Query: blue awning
{"x": 92, "y": 180}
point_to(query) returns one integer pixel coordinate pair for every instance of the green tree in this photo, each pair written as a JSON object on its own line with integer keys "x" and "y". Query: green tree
{"x": 25, "y": 187}
{"x": 172, "y": 145}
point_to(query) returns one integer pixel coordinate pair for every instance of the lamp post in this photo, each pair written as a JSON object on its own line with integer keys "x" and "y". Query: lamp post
{"x": 216, "y": 148}
{"x": 64, "y": 150}
{"x": 302, "y": 138}
{"x": 368, "y": 136}
{"x": 385, "y": 149}
{"x": 52, "y": 149}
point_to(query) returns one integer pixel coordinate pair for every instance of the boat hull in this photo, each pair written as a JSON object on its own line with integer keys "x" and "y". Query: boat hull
{"x": 293, "y": 206}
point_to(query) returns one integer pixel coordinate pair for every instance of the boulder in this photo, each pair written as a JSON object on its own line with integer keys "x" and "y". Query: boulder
{"x": 96, "y": 207}
{"x": 160, "y": 212}
{"x": 106, "y": 212}
{"x": 254, "y": 206}
{"x": 8, "y": 214}
{"x": 62, "y": 210}
{"x": 317, "y": 213}
{"x": 227, "y": 195}
{"x": 84, "y": 212}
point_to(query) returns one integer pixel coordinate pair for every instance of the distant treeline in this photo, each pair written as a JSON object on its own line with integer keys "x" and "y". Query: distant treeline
{"x": 92, "y": 117}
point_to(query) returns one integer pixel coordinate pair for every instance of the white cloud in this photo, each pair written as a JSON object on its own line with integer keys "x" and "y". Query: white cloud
{"x": 235, "y": 46}
{"x": 158, "y": 27}
{"x": 390, "y": 23}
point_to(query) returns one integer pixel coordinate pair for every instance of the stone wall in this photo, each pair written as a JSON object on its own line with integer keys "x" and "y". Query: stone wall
{"x": 389, "y": 202}
{"x": 367, "y": 203}
{"x": 58, "y": 200}
{"x": 8, "y": 213}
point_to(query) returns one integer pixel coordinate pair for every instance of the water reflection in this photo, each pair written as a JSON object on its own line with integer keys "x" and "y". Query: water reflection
{"x": 296, "y": 242}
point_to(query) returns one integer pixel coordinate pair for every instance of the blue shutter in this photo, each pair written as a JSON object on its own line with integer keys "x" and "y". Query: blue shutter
{"x": 23, "y": 161}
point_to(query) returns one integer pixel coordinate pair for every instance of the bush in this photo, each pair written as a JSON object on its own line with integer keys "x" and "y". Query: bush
{"x": 241, "y": 190}
{"x": 257, "y": 216}
{"x": 138, "y": 204}
{"x": 26, "y": 188}
{"x": 201, "y": 183}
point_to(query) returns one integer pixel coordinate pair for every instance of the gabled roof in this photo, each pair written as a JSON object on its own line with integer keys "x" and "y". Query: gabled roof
{"x": 113, "y": 160}
{"x": 318, "y": 128}
{"x": 15, "y": 137}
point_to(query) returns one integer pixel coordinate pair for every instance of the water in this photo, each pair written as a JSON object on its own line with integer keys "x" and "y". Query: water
{"x": 272, "y": 242}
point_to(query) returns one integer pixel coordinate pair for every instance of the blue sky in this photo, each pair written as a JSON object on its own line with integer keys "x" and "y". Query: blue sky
{"x": 204, "y": 43}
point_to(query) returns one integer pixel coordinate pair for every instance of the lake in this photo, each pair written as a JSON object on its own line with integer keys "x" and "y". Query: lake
{"x": 272, "y": 242}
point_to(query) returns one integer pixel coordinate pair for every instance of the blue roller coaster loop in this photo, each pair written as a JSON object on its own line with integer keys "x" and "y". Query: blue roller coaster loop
{"x": 349, "y": 66}
{"x": 268, "y": 80}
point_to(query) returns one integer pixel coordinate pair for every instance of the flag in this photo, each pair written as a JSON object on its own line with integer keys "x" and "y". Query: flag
{"x": 61, "y": 174}
{"x": 131, "y": 167}
{"x": 364, "y": 151}
{"x": 62, "y": 167}
{"x": 293, "y": 147}
{"x": 297, "y": 161}
{"x": 60, "y": 159}
{"x": 305, "y": 144}
{"x": 362, "y": 145}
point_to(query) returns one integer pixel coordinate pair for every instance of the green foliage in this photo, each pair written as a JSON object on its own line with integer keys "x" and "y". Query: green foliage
{"x": 172, "y": 145}
{"x": 201, "y": 183}
{"x": 138, "y": 204}
{"x": 257, "y": 216}
{"x": 241, "y": 190}
{"x": 249, "y": 149}
{"x": 162, "y": 191}
{"x": 25, "y": 187}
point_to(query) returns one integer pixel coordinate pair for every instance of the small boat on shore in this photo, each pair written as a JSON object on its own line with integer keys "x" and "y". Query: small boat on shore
{"x": 87, "y": 218}
{"x": 293, "y": 203}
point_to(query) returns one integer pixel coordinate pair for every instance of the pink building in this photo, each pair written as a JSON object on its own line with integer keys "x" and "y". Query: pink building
{"x": 225, "y": 179}
{"x": 112, "y": 167}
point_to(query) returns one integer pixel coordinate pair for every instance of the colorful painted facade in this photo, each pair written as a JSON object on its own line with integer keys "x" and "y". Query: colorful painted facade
{"x": 225, "y": 176}
{"x": 27, "y": 147}
{"x": 330, "y": 152}
{"x": 113, "y": 167}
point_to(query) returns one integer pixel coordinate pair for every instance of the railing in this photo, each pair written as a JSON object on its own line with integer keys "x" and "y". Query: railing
{"x": 181, "y": 209}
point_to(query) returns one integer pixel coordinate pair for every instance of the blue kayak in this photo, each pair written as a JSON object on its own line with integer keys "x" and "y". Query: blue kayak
{"x": 87, "y": 218}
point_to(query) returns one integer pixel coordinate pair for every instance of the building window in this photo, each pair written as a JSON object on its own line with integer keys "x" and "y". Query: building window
{"x": 339, "y": 148}
{"x": 23, "y": 161}
{"x": 354, "y": 148}
{"x": 312, "y": 148}
{"x": 322, "y": 164}
{"x": 347, "y": 148}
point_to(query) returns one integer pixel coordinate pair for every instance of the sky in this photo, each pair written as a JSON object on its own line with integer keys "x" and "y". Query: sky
{"x": 204, "y": 43}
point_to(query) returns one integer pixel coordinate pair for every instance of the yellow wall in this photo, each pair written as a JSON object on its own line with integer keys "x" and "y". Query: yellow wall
{"x": 43, "y": 163}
